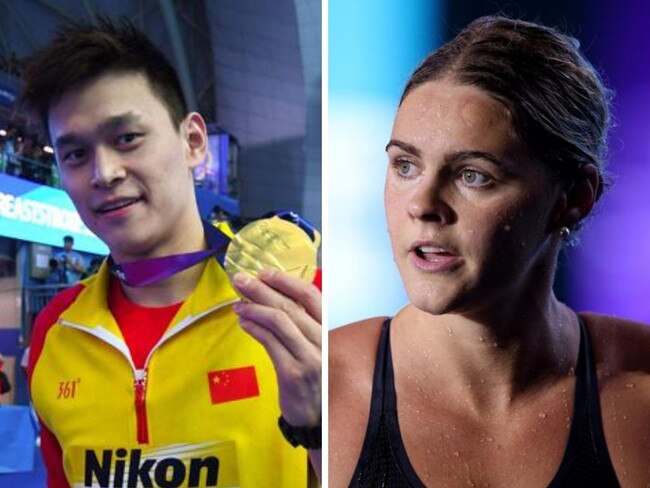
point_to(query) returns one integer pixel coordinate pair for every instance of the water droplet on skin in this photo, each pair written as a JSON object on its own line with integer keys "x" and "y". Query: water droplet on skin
{"x": 481, "y": 338}
{"x": 456, "y": 453}
{"x": 572, "y": 371}
{"x": 630, "y": 385}
{"x": 495, "y": 344}
{"x": 624, "y": 417}
{"x": 490, "y": 439}
{"x": 482, "y": 381}
{"x": 541, "y": 415}
{"x": 449, "y": 331}
{"x": 471, "y": 231}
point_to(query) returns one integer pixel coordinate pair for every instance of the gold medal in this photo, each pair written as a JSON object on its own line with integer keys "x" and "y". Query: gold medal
{"x": 273, "y": 243}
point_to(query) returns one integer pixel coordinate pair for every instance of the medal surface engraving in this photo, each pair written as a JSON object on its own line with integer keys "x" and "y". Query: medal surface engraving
{"x": 272, "y": 243}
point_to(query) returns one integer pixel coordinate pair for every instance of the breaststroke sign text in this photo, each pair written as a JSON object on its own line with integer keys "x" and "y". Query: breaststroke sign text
{"x": 39, "y": 213}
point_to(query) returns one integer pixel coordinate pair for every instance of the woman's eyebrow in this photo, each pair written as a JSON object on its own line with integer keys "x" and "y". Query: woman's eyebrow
{"x": 455, "y": 157}
{"x": 409, "y": 148}
{"x": 459, "y": 156}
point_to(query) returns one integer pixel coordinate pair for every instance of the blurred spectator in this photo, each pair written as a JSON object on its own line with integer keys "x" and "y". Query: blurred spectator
{"x": 24, "y": 156}
{"x": 95, "y": 263}
{"x": 220, "y": 219}
{"x": 218, "y": 214}
{"x": 5, "y": 385}
{"x": 70, "y": 263}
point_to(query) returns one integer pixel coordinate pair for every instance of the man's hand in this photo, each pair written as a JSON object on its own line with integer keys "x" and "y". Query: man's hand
{"x": 284, "y": 314}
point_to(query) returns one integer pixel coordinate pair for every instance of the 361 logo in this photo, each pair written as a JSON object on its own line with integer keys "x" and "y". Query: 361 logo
{"x": 68, "y": 389}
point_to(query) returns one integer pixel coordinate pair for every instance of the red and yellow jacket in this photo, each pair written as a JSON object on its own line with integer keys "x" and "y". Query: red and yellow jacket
{"x": 203, "y": 411}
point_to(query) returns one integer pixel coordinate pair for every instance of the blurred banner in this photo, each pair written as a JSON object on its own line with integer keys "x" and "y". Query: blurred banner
{"x": 42, "y": 214}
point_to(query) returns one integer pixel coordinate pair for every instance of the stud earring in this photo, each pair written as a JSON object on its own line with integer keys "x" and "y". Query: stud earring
{"x": 565, "y": 232}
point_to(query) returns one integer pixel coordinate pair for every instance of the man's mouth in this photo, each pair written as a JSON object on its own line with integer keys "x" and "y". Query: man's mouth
{"x": 116, "y": 204}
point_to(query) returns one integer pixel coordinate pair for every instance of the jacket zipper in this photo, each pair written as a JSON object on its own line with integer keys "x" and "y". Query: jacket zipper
{"x": 140, "y": 387}
{"x": 140, "y": 375}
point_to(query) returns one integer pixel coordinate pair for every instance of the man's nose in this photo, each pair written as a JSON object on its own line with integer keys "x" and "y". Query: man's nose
{"x": 107, "y": 168}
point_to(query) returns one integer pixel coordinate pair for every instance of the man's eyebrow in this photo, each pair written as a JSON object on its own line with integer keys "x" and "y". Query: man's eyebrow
{"x": 409, "y": 148}
{"x": 107, "y": 125}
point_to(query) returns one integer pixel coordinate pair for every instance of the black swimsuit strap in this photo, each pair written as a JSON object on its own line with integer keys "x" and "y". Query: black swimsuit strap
{"x": 586, "y": 438}
{"x": 376, "y": 401}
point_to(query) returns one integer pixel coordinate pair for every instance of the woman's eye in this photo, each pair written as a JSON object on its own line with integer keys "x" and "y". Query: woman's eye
{"x": 474, "y": 178}
{"x": 404, "y": 168}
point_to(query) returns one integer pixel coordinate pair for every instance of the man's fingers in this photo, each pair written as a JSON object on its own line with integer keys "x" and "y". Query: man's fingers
{"x": 261, "y": 293}
{"x": 297, "y": 339}
{"x": 300, "y": 292}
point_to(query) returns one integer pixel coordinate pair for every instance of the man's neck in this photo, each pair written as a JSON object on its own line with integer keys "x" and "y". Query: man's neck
{"x": 180, "y": 285}
{"x": 172, "y": 290}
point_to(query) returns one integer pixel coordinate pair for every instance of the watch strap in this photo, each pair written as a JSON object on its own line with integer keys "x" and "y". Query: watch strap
{"x": 309, "y": 437}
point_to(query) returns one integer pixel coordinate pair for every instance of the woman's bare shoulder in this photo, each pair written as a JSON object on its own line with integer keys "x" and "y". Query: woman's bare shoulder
{"x": 621, "y": 350}
{"x": 351, "y": 336}
{"x": 354, "y": 345}
{"x": 352, "y": 353}
{"x": 619, "y": 345}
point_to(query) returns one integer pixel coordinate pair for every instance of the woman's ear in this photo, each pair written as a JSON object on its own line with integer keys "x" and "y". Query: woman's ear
{"x": 578, "y": 198}
{"x": 195, "y": 138}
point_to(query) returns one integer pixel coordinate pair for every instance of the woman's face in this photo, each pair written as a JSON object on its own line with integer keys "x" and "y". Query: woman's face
{"x": 470, "y": 212}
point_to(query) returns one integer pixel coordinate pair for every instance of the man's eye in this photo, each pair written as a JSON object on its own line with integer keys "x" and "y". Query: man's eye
{"x": 126, "y": 138}
{"x": 474, "y": 178}
{"x": 74, "y": 156}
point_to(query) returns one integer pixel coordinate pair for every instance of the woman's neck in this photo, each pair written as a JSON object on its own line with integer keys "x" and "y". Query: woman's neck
{"x": 516, "y": 347}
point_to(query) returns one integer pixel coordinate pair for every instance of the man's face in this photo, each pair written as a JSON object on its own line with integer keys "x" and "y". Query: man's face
{"x": 125, "y": 166}
{"x": 67, "y": 244}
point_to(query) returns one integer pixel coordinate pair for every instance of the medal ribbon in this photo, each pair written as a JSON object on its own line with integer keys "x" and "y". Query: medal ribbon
{"x": 148, "y": 271}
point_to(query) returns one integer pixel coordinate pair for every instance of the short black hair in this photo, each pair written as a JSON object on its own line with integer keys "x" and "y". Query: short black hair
{"x": 68, "y": 239}
{"x": 83, "y": 52}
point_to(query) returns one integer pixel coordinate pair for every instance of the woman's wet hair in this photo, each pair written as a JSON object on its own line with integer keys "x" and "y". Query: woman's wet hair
{"x": 559, "y": 104}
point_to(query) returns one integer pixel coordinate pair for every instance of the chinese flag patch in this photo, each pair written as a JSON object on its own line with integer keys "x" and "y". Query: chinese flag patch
{"x": 228, "y": 385}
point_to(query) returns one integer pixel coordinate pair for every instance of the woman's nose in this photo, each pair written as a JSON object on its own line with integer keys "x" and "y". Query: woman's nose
{"x": 430, "y": 201}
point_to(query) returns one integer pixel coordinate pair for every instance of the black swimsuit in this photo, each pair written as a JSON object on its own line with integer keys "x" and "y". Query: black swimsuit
{"x": 384, "y": 462}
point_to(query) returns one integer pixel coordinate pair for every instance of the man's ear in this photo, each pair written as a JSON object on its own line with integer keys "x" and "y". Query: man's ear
{"x": 578, "y": 197}
{"x": 195, "y": 139}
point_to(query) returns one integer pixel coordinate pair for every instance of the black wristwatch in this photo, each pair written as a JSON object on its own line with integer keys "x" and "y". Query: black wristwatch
{"x": 309, "y": 437}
